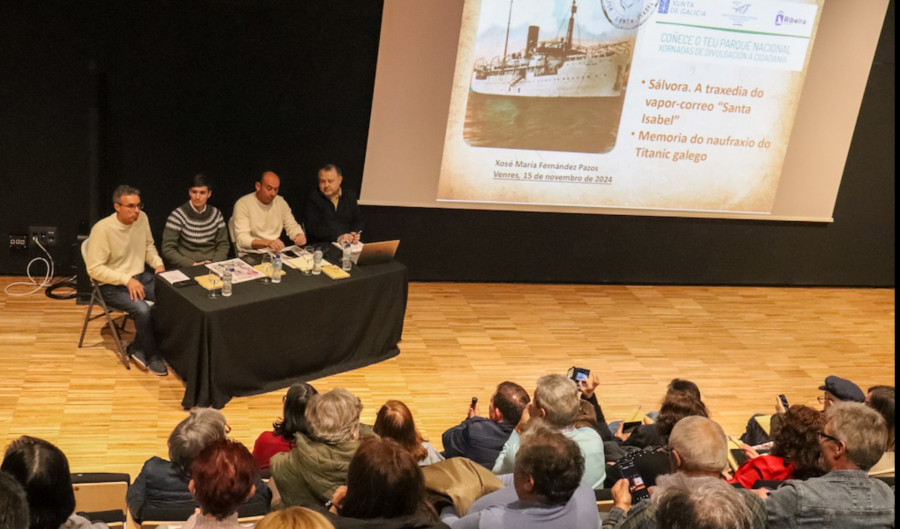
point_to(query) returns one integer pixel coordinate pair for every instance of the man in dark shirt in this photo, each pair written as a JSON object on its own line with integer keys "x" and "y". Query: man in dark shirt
{"x": 481, "y": 438}
{"x": 332, "y": 213}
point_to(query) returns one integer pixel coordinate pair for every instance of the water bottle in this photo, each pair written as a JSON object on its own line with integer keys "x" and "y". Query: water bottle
{"x": 317, "y": 261}
{"x": 345, "y": 259}
{"x": 276, "y": 268}
{"x": 226, "y": 281}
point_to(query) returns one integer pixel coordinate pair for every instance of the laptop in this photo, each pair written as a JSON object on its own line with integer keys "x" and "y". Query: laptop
{"x": 377, "y": 252}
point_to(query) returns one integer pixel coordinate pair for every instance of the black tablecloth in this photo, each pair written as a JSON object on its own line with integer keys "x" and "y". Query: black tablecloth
{"x": 266, "y": 337}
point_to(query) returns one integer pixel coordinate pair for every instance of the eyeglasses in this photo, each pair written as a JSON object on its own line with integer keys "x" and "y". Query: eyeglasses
{"x": 227, "y": 429}
{"x": 823, "y": 398}
{"x": 139, "y": 205}
{"x": 825, "y": 437}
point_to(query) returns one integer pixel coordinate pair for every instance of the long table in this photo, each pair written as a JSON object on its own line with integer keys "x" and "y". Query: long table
{"x": 266, "y": 337}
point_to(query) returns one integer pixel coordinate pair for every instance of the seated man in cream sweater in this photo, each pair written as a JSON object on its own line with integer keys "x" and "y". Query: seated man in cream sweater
{"x": 119, "y": 247}
{"x": 260, "y": 217}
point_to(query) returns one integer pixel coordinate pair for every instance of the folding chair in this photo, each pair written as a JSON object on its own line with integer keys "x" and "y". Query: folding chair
{"x": 97, "y": 298}
{"x": 100, "y": 496}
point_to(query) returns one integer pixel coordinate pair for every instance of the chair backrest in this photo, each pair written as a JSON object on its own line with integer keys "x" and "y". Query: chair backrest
{"x": 100, "y": 491}
{"x": 248, "y": 521}
{"x": 84, "y": 250}
{"x": 231, "y": 236}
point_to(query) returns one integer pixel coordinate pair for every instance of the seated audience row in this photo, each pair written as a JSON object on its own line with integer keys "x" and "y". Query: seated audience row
{"x": 336, "y": 472}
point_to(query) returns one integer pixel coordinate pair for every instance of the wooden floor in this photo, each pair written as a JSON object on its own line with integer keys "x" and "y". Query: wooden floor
{"x": 741, "y": 345}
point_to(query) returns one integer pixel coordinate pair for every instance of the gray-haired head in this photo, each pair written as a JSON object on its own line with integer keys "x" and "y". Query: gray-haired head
{"x": 333, "y": 417}
{"x": 558, "y": 396}
{"x": 193, "y": 434}
{"x": 684, "y": 502}
{"x": 861, "y": 429}
{"x": 700, "y": 443}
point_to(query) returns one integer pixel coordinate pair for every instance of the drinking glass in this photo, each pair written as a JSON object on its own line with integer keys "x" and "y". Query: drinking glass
{"x": 306, "y": 260}
{"x": 267, "y": 268}
{"x": 212, "y": 294}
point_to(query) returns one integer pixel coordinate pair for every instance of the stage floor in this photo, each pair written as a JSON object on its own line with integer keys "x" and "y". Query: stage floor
{"x": 741, "y": 345}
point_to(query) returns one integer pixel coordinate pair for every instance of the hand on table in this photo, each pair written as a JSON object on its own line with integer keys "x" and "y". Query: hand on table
{"x": 299, "y": 239}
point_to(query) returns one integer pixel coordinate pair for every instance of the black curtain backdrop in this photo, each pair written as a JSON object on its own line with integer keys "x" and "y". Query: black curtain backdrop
{"x": 235, "y": 87}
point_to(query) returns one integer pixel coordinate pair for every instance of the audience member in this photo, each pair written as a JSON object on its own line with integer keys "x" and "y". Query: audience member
{"x": 852, "y": 440}
{"x": 166, "y": 484}
{"x": 545, "y": 490}
{"x": 119, "y": 249}
{"x": 683, "y": 502}
{"x": 13, "y": 503}
{"x": 281, "y": 438}
{"x": 795, "y": 452}
{"x": 222, "y": 477}
{"x": 332, "y": 213}
{"x": 43, "y": 471}
{"x": 881, "y": 399}
{"x": 308, "y": 475}
{"x": 676, "y": 405}
{"x": 835, "y": 389}
{"x": 195, "y": 233}
{"x": 260, "y": 217}
{"x": 481, "y": 438}
{"x": 395, "y": 421}
{"x": 675, "y": 385}
{"x": 294, "y": 518}
{"x": 385, "y": 490}
{"x": 556, "y": 401}
{"x": 698, "y": 448}
{"x": 588, "y": 394}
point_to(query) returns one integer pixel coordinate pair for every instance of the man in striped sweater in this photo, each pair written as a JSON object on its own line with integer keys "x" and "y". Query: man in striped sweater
{"x": 195, "y": 233}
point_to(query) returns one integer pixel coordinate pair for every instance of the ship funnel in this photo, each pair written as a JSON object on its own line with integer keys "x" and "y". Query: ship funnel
{"x": 532, "y": 42}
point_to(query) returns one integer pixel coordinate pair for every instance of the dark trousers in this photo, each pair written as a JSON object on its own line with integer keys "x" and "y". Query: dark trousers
{"x": 117, "y": 297}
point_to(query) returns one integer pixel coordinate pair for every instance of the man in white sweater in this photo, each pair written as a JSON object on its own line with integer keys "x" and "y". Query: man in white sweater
{"x": 260, "y": 217}
{"x": 119, "y": 247}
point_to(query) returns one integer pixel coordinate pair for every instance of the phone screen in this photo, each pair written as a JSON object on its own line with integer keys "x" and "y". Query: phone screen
{"x": 740, "y": 457}
{"x": 636, "y": 485}
{"x": 629, "y": 427}
{"x": 579, "y": 374}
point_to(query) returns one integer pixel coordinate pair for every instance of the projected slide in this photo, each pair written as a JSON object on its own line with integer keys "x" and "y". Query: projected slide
{"x": 668, "y": 104}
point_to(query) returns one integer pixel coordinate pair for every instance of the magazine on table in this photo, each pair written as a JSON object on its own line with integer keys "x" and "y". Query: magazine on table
{"x": 242, "y": 270}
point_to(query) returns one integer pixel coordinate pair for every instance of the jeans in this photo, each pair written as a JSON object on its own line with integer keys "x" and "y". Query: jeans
{"x": 117, "y": 297}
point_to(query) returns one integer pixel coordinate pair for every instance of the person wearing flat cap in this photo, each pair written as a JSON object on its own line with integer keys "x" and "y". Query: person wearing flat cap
{"x": 840, "y": 389}
{"x": 836, "y": 389}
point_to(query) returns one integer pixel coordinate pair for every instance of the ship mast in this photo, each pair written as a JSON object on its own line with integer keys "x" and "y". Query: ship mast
{"x": 508, "y": 21}
{"x": 571, "y": 27}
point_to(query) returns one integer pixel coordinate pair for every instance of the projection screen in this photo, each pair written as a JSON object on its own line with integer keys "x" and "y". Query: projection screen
{"x": 697, "y": 108}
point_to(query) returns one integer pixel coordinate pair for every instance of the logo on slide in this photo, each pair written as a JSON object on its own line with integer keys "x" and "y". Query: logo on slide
{"x": 664, "y": 6}
{"x": 779, "y": 18}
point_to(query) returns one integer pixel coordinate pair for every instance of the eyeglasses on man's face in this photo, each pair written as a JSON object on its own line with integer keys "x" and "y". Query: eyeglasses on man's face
{"x": 139, "y": 205}
{"x": 825, "y": 437}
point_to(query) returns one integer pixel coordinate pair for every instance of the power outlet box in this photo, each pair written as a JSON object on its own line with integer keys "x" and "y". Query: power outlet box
{"x": 46, "y": 235}
{"x": 18, "y": 241}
